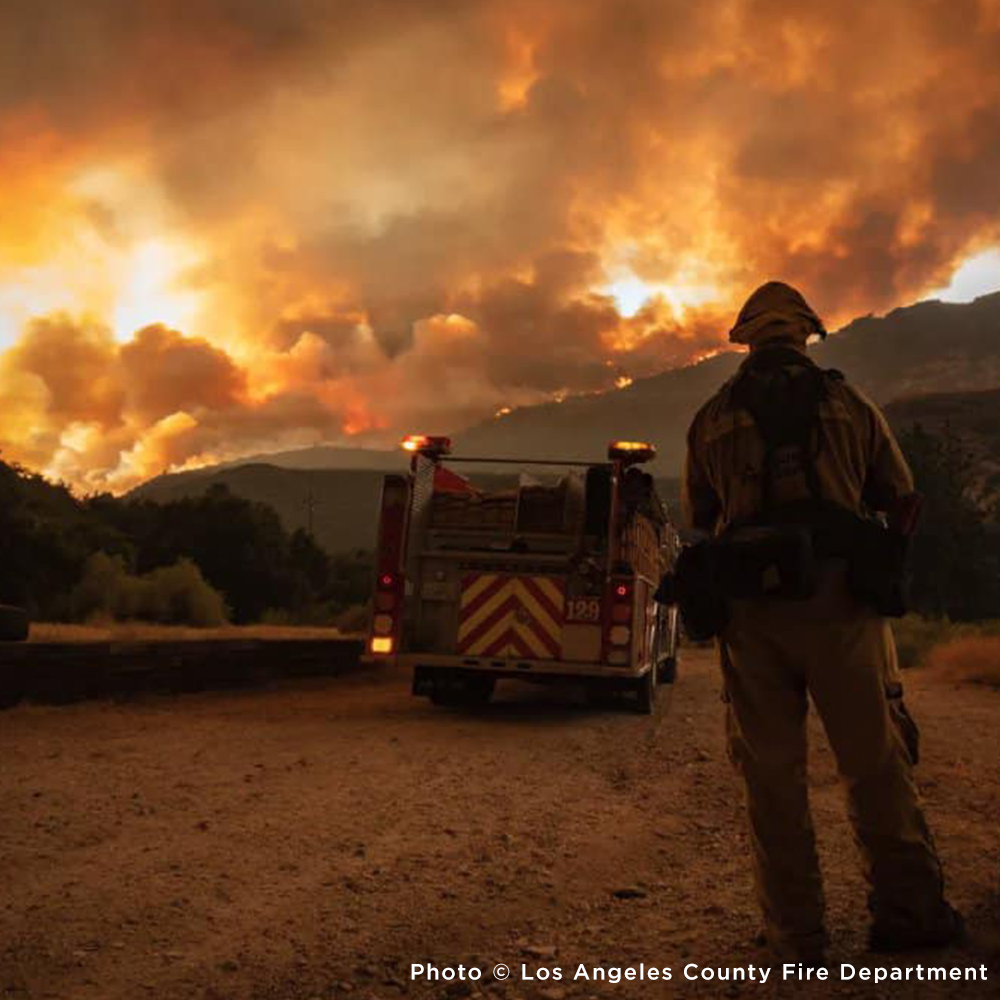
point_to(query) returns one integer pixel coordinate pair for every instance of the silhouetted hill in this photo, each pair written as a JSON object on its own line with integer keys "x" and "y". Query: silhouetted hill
{"x": 925, "y": 348}
{"x": 969, "y": 413}
{"x": 973, "y": 418}
{"x": 929, "y": 347}
{"x": 344, "y": 500}
{"x": 326, "y": 456}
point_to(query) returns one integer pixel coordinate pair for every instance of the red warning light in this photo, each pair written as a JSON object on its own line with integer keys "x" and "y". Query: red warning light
{"x": 621, "y": 590}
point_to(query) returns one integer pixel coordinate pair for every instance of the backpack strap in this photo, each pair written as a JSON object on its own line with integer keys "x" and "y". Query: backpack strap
{"x": 782, "y": 390}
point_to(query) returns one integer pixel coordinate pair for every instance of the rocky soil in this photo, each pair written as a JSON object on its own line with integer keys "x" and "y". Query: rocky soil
{"x": 312, "y": 841}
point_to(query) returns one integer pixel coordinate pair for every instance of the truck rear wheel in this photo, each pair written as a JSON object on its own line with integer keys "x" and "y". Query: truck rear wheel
{"x": 469, "y": 690}
{"x": 668, "y": 661}
{"x": 668, "y": 670}
{"x": 647, "y": 690}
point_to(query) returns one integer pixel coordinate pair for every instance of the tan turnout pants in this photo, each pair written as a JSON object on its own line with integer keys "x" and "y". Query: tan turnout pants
{"x": 774, "y": 654}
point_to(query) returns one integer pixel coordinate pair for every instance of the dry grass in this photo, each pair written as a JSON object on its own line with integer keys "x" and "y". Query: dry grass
{"x": 972, "y": 659}
{"x": 917, "y": 637}
{"x": 144, "y": 632}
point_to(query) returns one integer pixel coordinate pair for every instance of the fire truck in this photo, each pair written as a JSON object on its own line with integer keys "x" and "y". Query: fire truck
{"x": 540, "y": 579}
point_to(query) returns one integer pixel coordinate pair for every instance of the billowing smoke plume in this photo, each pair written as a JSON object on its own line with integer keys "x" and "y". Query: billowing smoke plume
{"x": 379, "y": 216}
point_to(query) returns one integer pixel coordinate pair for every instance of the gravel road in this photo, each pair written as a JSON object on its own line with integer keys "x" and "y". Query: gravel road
{"x": 311, "y": 841}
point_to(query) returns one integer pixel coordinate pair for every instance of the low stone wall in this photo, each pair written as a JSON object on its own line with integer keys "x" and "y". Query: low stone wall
{"x": 64, "y": 672}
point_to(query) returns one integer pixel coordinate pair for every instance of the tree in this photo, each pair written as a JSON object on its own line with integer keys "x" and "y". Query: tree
{"x": 954, "y": 557}
{"x": 46, "y": 535}
{"x": 241, "y": 548}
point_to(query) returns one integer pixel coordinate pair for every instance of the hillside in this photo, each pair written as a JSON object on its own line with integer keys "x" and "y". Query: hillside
{"x": 343, "y": 500}
{"x": 973, "y": 418}
{"x": 925, "y": 348}
{"x": 325, "y": 456}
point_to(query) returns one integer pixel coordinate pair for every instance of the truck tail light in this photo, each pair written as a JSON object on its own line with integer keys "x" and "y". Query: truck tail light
{"x": 384, "y": 601}
{"x": 619, "y": 635}
{"x": 387, "y": 601}
{"x": 618, "y": 622}
{"x": 383, "y": 624}
{"x": 387, "y": 615}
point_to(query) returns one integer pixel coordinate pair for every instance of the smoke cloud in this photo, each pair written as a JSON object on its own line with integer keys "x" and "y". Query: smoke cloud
{"x": 232, "y": 226}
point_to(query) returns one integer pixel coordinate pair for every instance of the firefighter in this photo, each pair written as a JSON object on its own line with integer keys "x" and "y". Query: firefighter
{"x": 785, "y": 444}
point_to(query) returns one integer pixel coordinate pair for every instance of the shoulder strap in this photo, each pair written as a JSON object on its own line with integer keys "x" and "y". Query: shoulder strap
{"x": 782, "y": 390}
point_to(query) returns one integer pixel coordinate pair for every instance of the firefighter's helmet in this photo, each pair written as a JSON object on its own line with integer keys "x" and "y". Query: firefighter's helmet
{"x": 776, "y": 311}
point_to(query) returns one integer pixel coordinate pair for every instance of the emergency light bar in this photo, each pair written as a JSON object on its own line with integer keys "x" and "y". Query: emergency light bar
{"x": 631, "y": 452}
{"x": 425, "y": 444}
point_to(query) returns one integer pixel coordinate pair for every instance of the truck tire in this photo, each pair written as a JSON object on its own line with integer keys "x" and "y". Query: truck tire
{"x": 600, "y": 694}
{"x": 466, "y": 692}
{"x": 646, "y": 691}
{"x": 13, "y": 624}
{"x": 668, "y": 665}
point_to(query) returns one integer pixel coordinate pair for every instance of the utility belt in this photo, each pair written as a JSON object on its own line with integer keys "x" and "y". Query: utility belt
{"x": 781, "y": 560}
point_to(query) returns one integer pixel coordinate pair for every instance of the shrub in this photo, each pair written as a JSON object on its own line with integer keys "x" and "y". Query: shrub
{"x": 98, "y": 592}
{"x": 915, "y": 635}
{"x": 278, "y": 617}
{"x": 352, "y": 620}
{"x": 955, "y": 552}
{"x": 314, "y": 615}
{"x": 176, "y": 594}
{"x": 58, "y": 557}
{"x": 972, "y": 658}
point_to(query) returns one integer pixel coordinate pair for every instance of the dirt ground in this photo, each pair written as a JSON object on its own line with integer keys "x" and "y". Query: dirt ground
{"x": 311, "y": 841}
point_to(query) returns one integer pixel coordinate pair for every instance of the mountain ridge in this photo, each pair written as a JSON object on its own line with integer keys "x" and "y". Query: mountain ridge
{"x": 902, "y": 360}
{"x": 890, "y": 357}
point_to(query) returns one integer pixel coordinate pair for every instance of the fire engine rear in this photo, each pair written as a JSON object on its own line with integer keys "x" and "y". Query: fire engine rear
{"x": 538, "y": 580}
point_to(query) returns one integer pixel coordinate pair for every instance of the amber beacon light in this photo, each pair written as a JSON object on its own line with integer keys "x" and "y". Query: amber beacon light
{"x": 631, "y": 452}
{"x": 426, "y": 444}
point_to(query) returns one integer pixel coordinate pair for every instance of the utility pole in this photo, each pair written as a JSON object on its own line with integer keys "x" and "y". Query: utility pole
{"x": 310, "y": 503}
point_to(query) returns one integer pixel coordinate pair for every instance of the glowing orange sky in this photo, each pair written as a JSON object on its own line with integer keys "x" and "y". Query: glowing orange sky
{"x": 266, "y": 225}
